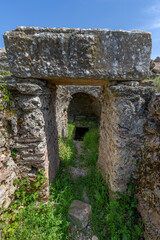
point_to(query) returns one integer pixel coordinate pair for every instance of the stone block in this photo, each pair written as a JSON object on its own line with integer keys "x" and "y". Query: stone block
{"x": 70, "y": 56}
{"x": 79, "y": 213}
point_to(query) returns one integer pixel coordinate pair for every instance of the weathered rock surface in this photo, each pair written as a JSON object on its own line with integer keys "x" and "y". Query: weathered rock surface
{"x": 8, "y": 167}
{"x": 124, "y": 115}
{"x": 156, "y": 68}
{"x": 4, "y": 66}
{"x": 63, "y": 98}
{"x": 78, "y": 54}
{"x": 84, "y": 106}
{"x": 157, "y": 59}
{"x": 94, "y": 238}
{"x": 148, "y": 183}
{"x": 34, "y": 133}
{"x": 85, "y": 197}
{"x": 94, "y": 91}
{"x": 81, "y": 234}
{"x": 79, "y": 213}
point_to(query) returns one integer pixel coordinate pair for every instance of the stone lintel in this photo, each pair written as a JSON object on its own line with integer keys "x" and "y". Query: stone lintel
{"x": 79, "y": 82}
{"x": 75, "y": 56}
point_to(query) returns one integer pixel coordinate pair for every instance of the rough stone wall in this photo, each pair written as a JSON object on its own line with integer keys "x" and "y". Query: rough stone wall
{"x": 156, "y": 67}
{"x": 35, "y": 132}
{"x": 4, "y": 66}
{"x": 148, "y": 184}
{"x": 8, "y": 167}
{"x": 123, "y": 118}
{"x": 83, "y": 105}
{"x": 95, "y": 91}
{"x": 90, "y": 92}
{"x": 63, "y": 97}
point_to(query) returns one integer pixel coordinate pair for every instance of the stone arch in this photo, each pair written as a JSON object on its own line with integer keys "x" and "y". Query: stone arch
{"x": 84, "y": 105}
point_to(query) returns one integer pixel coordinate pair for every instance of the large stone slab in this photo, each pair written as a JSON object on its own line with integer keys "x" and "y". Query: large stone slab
{"x": 76, "y": 56}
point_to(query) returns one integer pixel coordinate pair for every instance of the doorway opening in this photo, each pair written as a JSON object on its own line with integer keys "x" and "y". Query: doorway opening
{"x": 80, "y": 132}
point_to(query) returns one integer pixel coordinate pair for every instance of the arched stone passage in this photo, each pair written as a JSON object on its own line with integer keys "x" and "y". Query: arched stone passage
{"x": 84, "y": 106}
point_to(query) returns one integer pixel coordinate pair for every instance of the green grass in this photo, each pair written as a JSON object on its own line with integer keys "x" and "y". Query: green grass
{"x": 7, "y": 96}
{"x": 86, "y": 122}
{"x": 4, "y": 73}
{"x": 90, "y": 148}
{"x": 67, "y": 148}
{"x": 156, "y": 82}
{"x": 27, "y": 218}
{"x": 111, "y": 219}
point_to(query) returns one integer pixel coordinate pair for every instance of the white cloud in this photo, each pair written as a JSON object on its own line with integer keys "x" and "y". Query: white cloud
{"x": 154, "y": 24}
{"x": 153, "y": 9}
{"x": 153, "y": 14}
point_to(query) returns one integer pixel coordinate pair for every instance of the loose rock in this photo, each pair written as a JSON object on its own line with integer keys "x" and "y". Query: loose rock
{"x": 79, "y": 213}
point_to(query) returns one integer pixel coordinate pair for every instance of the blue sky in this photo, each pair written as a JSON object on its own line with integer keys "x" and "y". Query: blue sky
{"x": 110, "y": 14}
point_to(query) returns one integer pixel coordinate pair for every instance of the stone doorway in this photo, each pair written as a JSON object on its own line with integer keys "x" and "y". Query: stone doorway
{"x": 79, "y": 57}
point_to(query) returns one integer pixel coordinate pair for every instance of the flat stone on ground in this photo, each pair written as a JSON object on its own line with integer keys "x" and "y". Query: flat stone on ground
{"x": 79, "y": 213}
{"x": 77, "y": 172}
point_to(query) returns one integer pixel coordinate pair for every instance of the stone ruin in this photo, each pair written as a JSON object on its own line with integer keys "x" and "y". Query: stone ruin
{"x": 117, "y": 61}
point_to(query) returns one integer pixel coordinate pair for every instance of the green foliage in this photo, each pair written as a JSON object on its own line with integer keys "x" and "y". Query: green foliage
{"x": 1, "y": 107}
{"x": 40, "y": 223}
{"x": 92, "y": 123}
{"x": 90, "y": 149}
{"x": 14, "y": 217}
{"x": 71, "y": 130}
{"x": 122, "y": 220}
{"x": 113, "y": 218}
{"x": 7, "y": 97}
{"x": 156, "y": 82}
{"x": 67, "y": 148}
{"x": 27, "y": 218}
{"x": 14, "y": 153}
{"x": 4, "y": 73}
{"x": 97, "y": 191}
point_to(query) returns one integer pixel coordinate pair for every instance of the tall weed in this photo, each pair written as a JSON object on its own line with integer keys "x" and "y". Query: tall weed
{"x": 67, "y": 148}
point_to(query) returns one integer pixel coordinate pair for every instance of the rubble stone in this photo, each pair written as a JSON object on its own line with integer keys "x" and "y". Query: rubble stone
{"x": 79, "y": 213}
{"x": 77, "y": 172}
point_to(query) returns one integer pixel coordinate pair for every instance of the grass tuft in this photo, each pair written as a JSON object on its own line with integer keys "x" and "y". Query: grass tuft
{"x": 67, "y": 148}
